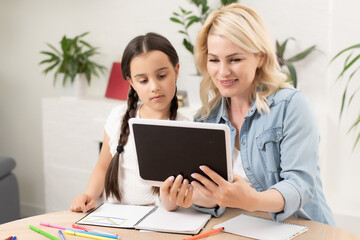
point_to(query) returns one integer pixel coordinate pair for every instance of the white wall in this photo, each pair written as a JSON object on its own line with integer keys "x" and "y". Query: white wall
{"x": 25, "y": 27}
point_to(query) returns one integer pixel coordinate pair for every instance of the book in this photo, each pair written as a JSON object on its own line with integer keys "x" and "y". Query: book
{"x": 153, "y": 218}
{"x": 117, "y": 86}
{"x": 261, "y": 228}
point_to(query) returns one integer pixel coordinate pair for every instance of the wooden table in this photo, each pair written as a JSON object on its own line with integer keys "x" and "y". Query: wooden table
{"x": 20, "y": 228}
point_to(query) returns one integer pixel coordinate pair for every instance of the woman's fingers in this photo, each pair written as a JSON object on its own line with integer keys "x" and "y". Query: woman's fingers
{"x": 188, "y": 200}
{"x": 213, "y": 175}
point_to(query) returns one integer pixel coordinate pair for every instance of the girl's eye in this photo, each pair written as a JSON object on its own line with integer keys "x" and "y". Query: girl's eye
{"x": 143, "y": 81}
{"x": 161, "y": 76}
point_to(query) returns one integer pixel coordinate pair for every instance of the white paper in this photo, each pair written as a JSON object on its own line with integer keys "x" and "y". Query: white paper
{"x": 183, "y": 220}
{"x": 261, "y": 228}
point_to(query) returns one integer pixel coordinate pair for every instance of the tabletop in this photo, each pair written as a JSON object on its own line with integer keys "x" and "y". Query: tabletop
{"x": 20, "y": 228}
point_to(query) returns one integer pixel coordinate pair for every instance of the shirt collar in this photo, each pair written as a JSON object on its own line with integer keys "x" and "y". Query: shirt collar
{"x": 223, "y": 114}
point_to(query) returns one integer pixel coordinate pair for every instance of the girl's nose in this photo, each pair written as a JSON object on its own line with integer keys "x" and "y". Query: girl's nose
{"x": 155, "y": 86}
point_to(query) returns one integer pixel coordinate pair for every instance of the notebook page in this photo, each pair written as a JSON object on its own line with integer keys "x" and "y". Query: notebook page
{"x": 261, "y": 228}
{"x": 183, "y": 220}
{"x": 116, "y": 215}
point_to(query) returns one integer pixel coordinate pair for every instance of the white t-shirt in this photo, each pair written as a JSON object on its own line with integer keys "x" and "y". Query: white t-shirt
{"x": 237, "y": 165}
{"x": 132, "y": 189}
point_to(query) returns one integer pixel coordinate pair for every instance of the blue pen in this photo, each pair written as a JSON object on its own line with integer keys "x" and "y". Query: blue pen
{"x": 61, "y": 235}
{"x": 13, "y": 238}
{"x": 96, "y": 234}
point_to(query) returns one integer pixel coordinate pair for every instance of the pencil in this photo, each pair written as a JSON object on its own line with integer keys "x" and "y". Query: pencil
{"x": 86, "y": 235}
{"x": 43, "y": 232}
{"x": 205, "y": 234}
{"x": 61, "y": 235}
{"x": 91, "y": 230}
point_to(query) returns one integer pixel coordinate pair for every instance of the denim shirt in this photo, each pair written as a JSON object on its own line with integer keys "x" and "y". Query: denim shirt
{"x": 280, "y": 150}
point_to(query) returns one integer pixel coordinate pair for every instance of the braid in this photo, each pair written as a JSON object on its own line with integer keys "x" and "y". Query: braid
{"x": 174, "y": 107}
{"x": 112, "y": 174}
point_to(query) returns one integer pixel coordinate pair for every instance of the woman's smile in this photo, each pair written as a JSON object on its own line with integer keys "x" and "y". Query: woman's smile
{"x": 228, "y": 82}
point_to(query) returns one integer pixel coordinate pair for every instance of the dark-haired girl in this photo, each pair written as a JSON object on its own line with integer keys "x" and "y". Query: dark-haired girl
{"x": 151, "y": 65}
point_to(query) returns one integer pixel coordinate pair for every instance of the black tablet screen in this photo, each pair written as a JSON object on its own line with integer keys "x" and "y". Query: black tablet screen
{"x": 165, "y": 151}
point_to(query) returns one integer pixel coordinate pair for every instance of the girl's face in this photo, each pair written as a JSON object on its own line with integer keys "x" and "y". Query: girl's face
{"x": 231, "y": 68}
{"x": 153, "y": 77}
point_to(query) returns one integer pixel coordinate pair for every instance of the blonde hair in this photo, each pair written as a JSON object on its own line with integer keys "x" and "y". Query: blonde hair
{"x": 244, "y": 27}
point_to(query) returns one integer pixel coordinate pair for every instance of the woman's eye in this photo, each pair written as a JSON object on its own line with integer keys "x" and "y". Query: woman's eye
{"x": 236, "y": 60}
{"x": 161, "y": 76}
{"x": 213, "y": 60}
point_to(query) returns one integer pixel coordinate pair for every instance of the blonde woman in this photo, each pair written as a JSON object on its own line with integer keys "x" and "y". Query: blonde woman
{"x": 274, "y": 133}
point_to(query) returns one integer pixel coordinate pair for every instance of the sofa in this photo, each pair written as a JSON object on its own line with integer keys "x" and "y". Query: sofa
{"x": 9, "y": 191}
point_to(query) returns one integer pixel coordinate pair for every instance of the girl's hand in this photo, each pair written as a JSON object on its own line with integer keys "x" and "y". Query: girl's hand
{"x": 82, "y": 203}
{"x": 238, "y": 194}
{"x": 176, "y": 193}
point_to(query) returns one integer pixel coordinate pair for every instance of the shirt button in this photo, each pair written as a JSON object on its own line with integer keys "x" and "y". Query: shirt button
{"x": 243, "y": 143}
{"x": 277, "y": 138}
{"x": 248, "y": 169}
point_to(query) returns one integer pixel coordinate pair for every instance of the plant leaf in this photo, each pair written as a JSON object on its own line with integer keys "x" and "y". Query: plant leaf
{"x": 193, "y": 20}
{"x": 51, "y": 67}
{"x": 344, "y": 50}
{"x": 343, "y": 101}
{"x": 175, "y": 20}
{"x": 302, "y": 55}
{"x": 356, "y": 141}
{"x": 348, "y": 66}
{"x": 48, "y": 53}
{"x": 283, "y": 47}
{"x": 292, "y": 72}
{"x": 352, "y": 96}
{"x": 53, "y": 48}
{"x": 188, "y": 46}
{"x": 52, "y": 59}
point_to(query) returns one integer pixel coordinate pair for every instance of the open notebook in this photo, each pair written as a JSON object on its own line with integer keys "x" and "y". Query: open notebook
{"x": 261, "y": 228}
{"x": 154, "y": 218}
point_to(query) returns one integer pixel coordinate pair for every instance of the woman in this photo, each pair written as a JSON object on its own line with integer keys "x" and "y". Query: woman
{"x": 274, "y": 133}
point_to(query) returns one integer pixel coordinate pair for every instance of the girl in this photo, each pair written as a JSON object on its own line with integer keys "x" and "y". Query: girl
{"x": 151, "y": 65}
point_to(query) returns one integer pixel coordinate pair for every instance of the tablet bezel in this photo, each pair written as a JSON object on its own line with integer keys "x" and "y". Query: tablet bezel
{"x": 185, "y": 124}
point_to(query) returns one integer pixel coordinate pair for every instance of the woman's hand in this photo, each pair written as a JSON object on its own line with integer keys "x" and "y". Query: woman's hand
{"x": 238, "y": 194}
{"x": 176, "y": 193}
{"x": 82, "y": 203}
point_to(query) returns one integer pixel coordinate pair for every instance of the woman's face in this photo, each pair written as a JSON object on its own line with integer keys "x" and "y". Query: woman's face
{"x": 153, "y": 77}
{"x": 231, "y": 68}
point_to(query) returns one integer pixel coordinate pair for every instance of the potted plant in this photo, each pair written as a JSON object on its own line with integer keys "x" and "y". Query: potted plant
{"x": 350, "y": 67}
{"x": 73, "y": 59}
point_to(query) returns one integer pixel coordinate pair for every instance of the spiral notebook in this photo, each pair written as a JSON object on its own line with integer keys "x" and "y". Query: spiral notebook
{"x": 261, "y": 228}
{"x": 154, "y": 218}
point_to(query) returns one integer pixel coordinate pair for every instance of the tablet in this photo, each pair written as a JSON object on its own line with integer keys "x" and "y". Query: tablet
{"x": 168, "y": 148}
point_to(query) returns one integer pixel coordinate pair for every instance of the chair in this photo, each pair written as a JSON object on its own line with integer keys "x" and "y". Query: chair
{"x": 9, "y": 191}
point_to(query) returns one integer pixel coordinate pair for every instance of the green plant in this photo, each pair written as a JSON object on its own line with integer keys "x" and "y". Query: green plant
{"x": 188, "y": 18}
{"x": 350, "y": 68}
{"x": 288, "y": 63}
{"x": 73, "y": 59}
